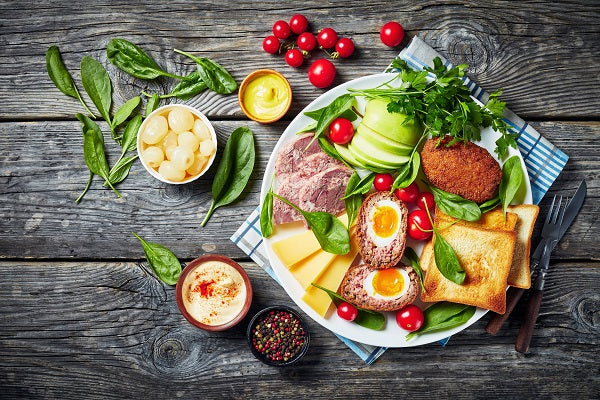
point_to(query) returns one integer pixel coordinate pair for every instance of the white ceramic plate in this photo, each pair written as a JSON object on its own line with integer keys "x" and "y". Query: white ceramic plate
{"x": 392, "y": 335}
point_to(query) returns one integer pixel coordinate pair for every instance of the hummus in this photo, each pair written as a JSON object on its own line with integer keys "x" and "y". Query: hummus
{"x": 214, "y": 293}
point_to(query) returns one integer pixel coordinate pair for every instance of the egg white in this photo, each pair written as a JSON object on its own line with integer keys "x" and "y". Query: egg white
{"x": 368, "y": 285}
{"x": 378, "y": 240}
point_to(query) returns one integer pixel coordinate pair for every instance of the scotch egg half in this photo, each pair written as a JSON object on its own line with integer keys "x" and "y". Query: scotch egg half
{"x": 387, "y": 283}
{"x": 383, "y": 222}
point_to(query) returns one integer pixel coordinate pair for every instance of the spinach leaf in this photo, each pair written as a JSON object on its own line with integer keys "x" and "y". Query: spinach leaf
{"x": 125, "y": 111}
{"x": 362, "y": 186}
{"x": 60, "y": 76}
{"x": 213, "y": 75}
{"x": 352, "y": 201}
{"x": 330, "y": 150}
{"x": 512, "y": 177}
{"x": 162, "y": 261}
{"x": 408, "y": 173}
{"x": 188, "y": 87}
{"x": 130, "y": 58}
{"x": 489, "y": 205}
{"x": 152, "y": 104}
{"x": 266, "y": 215}
{"x": 447, "y": 261}
{"x": 443, "y": 315}
{"x": 93, "y": 149}
{"x": 329, "y": 231}
{"x": 129, "y": 139}
{"x": 349, "y": 114}
{"x": 333, "y": 111}
{"x": 120, "y": 170}
{"x": 413, "y": 258}
{"x": 365, "y": 318}
{"x": 455, "y": 206}
{"x": 97, "y": 84}
{"x": 234, "y": 169}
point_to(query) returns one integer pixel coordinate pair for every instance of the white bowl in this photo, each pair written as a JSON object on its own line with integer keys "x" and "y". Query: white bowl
{"x": 165, "y": 110}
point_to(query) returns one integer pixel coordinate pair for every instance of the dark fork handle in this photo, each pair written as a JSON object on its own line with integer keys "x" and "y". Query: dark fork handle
{"x": 526, "y": 331}
{"x": 513, "y": 295}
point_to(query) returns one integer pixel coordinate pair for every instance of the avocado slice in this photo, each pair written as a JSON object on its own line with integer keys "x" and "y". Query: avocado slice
{"x": 390, "y": 125}
{"x": 375, "y": 155}
{"x": 385, "y": 143}
{"x": 349, "y": 157}
{"x": 372, "y": 162}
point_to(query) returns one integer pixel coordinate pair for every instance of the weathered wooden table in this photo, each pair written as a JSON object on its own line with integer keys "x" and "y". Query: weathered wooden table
{"x": 82, "y": 316}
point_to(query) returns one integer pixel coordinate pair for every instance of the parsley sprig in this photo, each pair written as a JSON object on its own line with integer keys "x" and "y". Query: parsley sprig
{"x": 444, "y": 105}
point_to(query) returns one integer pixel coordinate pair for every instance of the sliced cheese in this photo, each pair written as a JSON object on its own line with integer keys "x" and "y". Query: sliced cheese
{"x": 309, "y": 269}
{"x": 331, "y": 279}
{"x": 296, "y": 248}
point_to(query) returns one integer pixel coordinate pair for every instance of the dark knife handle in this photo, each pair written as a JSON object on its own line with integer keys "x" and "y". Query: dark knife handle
{"x": 526, "y": 331}
{"x": 513, "y": 295}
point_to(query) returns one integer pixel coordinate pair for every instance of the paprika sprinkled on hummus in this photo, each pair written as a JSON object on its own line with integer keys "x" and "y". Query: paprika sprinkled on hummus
{"x": 213, "y": 293}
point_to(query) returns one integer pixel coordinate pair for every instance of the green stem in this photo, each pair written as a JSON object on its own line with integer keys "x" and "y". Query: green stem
{"x": 83, "y": 104}
{"x": 89, "y": 182}
{"x": 286, "y": 201}
{"x": 112, "y": 187}
{"x": 208, "y": 214}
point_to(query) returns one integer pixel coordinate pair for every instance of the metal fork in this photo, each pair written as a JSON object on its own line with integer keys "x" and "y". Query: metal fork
{"x": 551, "y": 234}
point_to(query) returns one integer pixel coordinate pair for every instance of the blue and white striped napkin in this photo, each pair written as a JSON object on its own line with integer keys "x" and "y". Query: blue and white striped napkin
{"x": 543, "y": 160}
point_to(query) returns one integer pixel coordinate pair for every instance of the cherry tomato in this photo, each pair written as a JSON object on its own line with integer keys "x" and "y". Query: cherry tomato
{"x": 425, "y": 200}
{"x": 327, "y": 38}
{"x": 281, "y": 29}
{"x": 341, "y": 131}
{"x": 344, "y": 47}
{"x": 410, "y": 318}
{"x": 321, "y": 73}
{"x": 409, "y": 193}
{"x": 383, "y": 182}
{"x": 418, "y": 221}
{"x": 271, "y": 44}
{"x": 294, "y": 58}
{"x": 391, "y": 34}
{"x": 298, "y": 23}
{"x": 307, "y": 41}
{"x": 347, "y": 311}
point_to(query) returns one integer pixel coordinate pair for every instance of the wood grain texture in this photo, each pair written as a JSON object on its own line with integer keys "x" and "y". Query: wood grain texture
{"x": 540, "y": 54}
{"x": 115, "y": 331}
{"x": 42, "y": 172}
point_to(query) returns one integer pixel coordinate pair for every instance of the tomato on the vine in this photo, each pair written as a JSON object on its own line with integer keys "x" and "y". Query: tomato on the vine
{"x": 307, "y": 41}
{"x": 281, "y": 29}
{"x": 383, "y": 182}
{"x": 347, "y": 311}
{"x": 321, "y": 73}
{"x": 294, "y": 58}
{"x": 409, "y": 193}
{"x": 298, "y": 23}
{"x": 419, "y": 224}
{"x": 271, "y": 44}
{"x": 410, "y": 318}
{"x": 425, "y": 200}
{"x": 327, "y": 38}
{"x": 341, "y": 131}
{"x": 344, "y": 47}
{"x": 391, "y": 34}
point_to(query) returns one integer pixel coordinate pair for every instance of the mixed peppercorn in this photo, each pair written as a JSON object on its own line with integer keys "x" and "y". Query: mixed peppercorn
{"x": 278, "y": 336}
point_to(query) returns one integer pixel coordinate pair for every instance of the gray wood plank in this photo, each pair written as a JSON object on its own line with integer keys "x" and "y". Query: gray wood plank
{"x": 42, "y": 172}
{"x": 540, "y": 55}
{"x": 111, "y": 330}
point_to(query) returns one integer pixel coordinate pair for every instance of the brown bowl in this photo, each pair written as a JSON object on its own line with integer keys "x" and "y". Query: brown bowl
{"x": 254, "y": 75}
{"x": 179, "y": 292}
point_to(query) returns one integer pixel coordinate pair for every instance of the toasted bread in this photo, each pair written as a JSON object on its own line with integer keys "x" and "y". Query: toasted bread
{"x": 485, "y": 256}
{"x": 493, "y": 219}
{"x": 520, "y": 275}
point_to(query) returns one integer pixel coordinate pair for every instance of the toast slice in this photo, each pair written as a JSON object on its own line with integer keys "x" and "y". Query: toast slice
{"x": 486, "y": 257}
{"x": 493, "y": 219}
{"x": 520, "y": 274}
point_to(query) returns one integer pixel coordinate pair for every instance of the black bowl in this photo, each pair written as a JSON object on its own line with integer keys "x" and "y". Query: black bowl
{"x": 297, "y": 353}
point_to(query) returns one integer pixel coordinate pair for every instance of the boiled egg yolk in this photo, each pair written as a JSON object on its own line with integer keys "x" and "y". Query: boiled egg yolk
{"x": 388, "y": 282}
{"x": 385, "y": 221}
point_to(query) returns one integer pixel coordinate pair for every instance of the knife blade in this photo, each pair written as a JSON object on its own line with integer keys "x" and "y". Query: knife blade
{"x": 513, "y": 295}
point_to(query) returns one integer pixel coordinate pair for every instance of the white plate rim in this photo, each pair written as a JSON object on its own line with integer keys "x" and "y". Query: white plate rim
{"x": 392, "y": 335}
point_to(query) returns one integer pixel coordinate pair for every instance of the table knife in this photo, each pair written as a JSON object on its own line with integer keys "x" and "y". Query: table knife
{"x": 513, "y": 294}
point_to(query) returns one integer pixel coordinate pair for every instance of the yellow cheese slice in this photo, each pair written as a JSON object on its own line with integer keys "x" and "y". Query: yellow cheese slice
{"x": 309, "y": 269}
{"x": 296, "y": 248}
{"x": 331, "y": 279}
